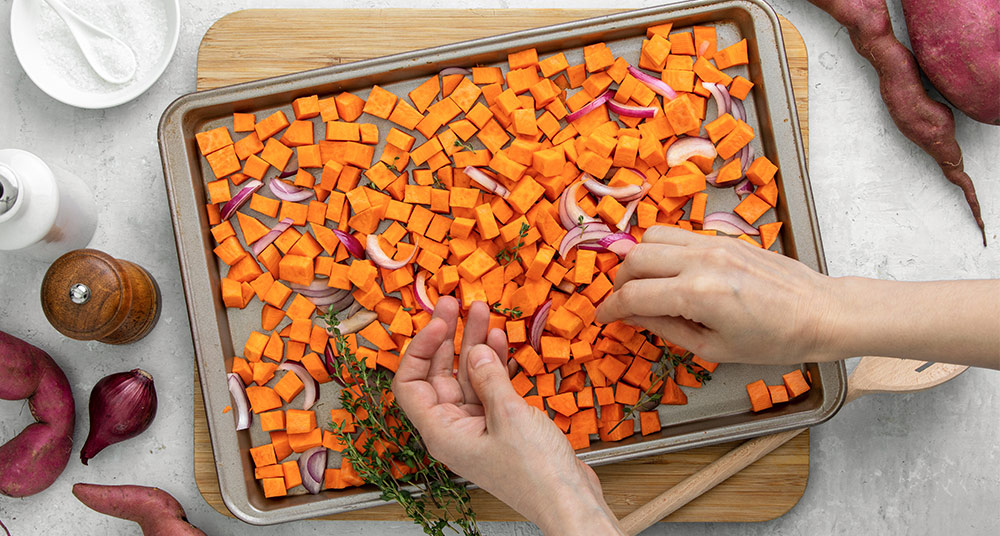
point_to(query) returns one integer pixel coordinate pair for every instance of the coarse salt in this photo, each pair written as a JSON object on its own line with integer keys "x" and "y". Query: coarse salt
{"x": 140, "y": 24}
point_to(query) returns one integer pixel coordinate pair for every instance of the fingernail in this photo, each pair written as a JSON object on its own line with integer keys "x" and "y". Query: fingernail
{"x": 479, "y": 356}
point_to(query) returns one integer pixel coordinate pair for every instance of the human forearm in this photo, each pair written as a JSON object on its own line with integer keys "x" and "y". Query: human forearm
{"x": 950, "y": 321}
{"x": 577, "y": 511}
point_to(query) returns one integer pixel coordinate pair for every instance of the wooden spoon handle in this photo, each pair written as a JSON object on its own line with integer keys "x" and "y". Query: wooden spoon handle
{"x": 707, "y": 478}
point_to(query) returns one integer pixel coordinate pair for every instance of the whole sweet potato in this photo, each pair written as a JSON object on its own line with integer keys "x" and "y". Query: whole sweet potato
{"x": 957, "y": 45}
{"x": 34, "y": 459}
{"x": 926, "y": 122}
{"x": 157, "y": 512}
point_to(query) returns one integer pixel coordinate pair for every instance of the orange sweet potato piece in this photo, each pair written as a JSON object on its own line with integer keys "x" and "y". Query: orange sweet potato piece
{"x": 796, "y": 383}
{"x": 760, "y": 396}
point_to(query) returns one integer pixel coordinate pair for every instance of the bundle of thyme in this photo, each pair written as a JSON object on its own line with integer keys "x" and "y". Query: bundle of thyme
{"x": 388, "y": 436}
{"x": 667, "y": 363}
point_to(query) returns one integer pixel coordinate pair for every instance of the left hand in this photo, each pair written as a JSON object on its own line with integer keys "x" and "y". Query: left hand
{"x": 479, "y": 427}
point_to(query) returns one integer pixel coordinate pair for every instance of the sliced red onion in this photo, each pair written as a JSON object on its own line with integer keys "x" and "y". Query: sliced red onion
{"x": 312, "y": 466}
{"x": 287, "y": 192}
{"x": 271, "y": 236}
{"x": 710, "y": 178}
{"x": 746, "y": 155}
{"x": 589, "y": 107}
{"x": 486, "y": 181}
{"x": 448, "y": 71}
{"x": 729, "y": 223}
{"x": 645, "y": 112}
{"x": 337, "y": 301}
{"x": 353, "y": 309}
{"x": 538, "y": 325}
{"x": 241, "y": 197}
{"x": 289, "y": 173}
{"x": 319, "y": 288}
{"x": 683, "y": 149}
{"x": 623, "y": 224}
{"x": 744, "y": 188}
{"x": 420, "y": 292}
{"x": 658, "y": 86}
{"x": 599, "y": 188}
{"x": 723, "y": 101}
{"x": 330, "y": 361}
{"x": 739, "y": 111}
{"x": 379, "y": 257}
{"x": 570, "y": 213}
{"x": 638, "y": 173}
{"x": 588, "y": 233}
{"x": 352, "y": 244}
{"x": 642, "y": 192}
{"x": 239, "y": 394}
{"x": 310, "y": 387}
{"x": 618, "y": 243}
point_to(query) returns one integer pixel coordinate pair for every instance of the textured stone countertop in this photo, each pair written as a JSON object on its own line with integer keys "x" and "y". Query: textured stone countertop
{"x": 927, "y": 463}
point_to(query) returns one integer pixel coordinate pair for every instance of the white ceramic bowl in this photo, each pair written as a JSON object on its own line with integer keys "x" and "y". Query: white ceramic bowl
{"x": 25, "y": 18}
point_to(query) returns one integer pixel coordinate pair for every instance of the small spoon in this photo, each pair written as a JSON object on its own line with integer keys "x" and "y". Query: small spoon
{"x": 110, "y": 57}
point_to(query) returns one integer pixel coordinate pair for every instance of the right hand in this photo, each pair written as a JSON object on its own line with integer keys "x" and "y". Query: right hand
{"x": 724, "y": 299}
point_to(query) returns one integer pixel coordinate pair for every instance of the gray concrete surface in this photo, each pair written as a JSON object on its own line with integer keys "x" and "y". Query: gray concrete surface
{"x": 916, "y": 464}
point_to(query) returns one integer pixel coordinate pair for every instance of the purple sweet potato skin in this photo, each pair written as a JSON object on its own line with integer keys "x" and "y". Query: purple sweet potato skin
{"x": 957, "y": 44}
{"x": 33, "y": 460}
{"x": 157, "y": 512}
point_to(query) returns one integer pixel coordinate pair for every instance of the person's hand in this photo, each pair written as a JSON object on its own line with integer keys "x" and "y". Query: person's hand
{"x": 724, "y": 299}
{"x": 479, "y": 427}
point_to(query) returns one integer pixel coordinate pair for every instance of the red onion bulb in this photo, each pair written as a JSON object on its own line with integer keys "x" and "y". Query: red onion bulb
{"x": 122, "y": 406}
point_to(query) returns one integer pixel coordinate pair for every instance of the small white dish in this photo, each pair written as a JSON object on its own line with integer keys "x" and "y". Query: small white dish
{"x": 34, "y": 54}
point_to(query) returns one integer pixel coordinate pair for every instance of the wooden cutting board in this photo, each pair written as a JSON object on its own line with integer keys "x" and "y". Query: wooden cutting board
{"x": 254, "y": 44}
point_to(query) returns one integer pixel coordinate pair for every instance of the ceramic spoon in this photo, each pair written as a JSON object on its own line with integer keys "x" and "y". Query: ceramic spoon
{"x": 872, "y": 375}
{"x": 109, "y": 56}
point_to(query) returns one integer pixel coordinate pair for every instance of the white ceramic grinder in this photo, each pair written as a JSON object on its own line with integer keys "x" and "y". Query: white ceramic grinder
{"x": 44, "y": 211}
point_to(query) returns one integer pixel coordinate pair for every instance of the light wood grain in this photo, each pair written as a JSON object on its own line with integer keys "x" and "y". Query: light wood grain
{"x": 871, "y": 376}
{"x": 253, "y": 44}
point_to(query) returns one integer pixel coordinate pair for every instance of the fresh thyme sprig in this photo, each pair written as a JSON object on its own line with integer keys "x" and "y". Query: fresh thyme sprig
{"x": 392, "y": 167}
{"x": 514, "y": 312}
{"x": 438, "y": 184}
{"x": 510, "y": 255}
{"x": 465, "y": 145}
{"x": 390, "y": 442}
{"x": 699, "y": 373}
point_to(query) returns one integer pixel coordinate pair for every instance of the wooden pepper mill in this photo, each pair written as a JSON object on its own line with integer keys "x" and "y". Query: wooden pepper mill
{"x": 90, "y": 296}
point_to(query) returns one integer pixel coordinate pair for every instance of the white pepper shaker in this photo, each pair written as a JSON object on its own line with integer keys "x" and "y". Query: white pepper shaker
{"x": 44, "y": 211}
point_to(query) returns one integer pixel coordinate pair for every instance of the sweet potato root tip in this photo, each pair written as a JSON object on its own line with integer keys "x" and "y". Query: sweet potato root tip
{"x": 926, "y": 122}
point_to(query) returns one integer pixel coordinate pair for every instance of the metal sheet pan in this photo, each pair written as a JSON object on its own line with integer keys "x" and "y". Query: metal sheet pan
{"x": 715, "y": 414}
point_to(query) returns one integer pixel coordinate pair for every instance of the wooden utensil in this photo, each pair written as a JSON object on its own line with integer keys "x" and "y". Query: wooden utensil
{"x": 872, "y": 375}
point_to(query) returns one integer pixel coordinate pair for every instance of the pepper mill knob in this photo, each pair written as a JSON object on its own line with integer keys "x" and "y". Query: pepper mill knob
{"x": 90, "y": 296}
